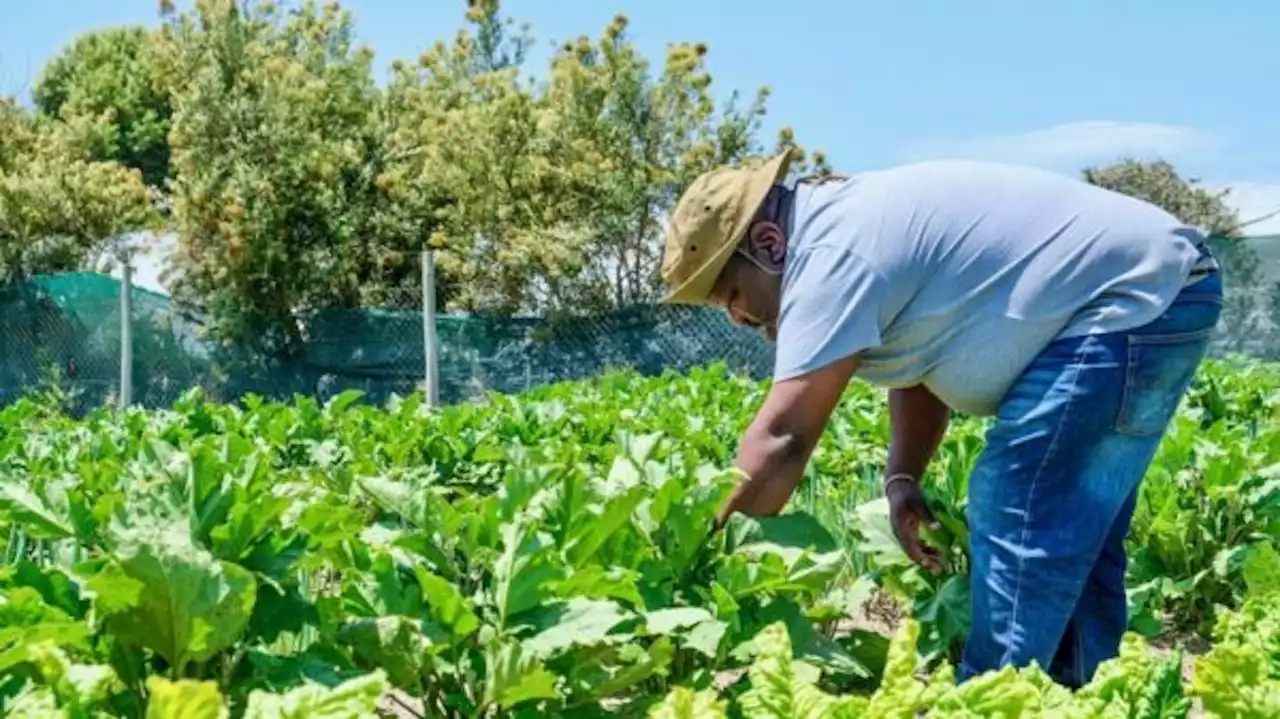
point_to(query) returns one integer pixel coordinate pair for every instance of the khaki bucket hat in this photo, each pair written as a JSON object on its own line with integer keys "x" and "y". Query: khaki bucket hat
{"x": 709, "y": 221}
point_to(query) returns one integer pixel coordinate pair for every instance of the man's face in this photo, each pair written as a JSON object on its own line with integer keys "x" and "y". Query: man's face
{"x": 750, "y": 294}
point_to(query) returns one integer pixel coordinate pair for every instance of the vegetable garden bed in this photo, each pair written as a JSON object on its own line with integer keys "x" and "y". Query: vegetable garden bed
{"x": 548, "y": 555}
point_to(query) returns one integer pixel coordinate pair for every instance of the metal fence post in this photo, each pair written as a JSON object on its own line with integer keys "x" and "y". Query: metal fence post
{"x": 429, "y": 344}
{"x": 126, "y": 330}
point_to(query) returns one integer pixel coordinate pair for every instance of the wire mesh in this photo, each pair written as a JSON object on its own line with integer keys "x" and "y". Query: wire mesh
{"x": 63, "y": 332}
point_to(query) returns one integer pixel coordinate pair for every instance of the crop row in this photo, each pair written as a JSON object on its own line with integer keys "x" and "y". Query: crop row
{"x": 549, "y": 555}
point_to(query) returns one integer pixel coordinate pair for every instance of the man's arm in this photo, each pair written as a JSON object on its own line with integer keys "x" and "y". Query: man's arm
{"x": 918, "y": 421}
{"x": 778, "y": 444}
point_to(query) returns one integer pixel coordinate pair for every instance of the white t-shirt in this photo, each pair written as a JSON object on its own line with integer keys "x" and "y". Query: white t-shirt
{"x": 956, "y": 274}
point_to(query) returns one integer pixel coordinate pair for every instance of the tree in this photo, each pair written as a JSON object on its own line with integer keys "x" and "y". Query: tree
{"x": 465, "y": 129}
{"x": 297, "y": 185}
{"x": 1160, "y": 184}
{"x": 1251, "y": 312}
{"x": 279, "y": 160}
{"x": 114, "y": 73}
{"x": 57, "y": 205}
{"x": 556, "y": 190}
{"x": 625, "y": 145}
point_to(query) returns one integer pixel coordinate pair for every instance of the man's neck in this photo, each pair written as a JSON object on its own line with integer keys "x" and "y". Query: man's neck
{"x": 785, "y": 212}
{"x": 782, "y": 210}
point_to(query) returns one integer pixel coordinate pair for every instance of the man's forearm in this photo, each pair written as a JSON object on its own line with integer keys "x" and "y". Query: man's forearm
{"x": 774, "y": 464}
{"x": 918, "y": 421}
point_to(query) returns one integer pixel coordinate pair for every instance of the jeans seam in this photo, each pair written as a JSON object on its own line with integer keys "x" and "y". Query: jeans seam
{"x": 1131, "y": 361}
{"x": 1078, "y": 652}
{"x": 1170, "y": 338}
{"x": 1031, "y": 492}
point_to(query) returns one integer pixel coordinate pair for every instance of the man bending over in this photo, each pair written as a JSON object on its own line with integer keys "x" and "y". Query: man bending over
{"x": 1074, "y": 315}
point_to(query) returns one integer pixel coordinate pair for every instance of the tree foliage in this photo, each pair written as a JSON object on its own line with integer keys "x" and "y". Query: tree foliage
{"x": 295, "y": 183}
{"x": 277, "y": 149}
{"x": 299, "y": 184}
{"x": 1251, "y": 312}
{"x": 57, "y": 205}
{"x": 113, "y": 72}
{"x": 1160, "y": 184}
{"x": 557, "y": 188}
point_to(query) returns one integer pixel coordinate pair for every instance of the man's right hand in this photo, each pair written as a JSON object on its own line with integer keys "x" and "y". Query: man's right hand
{"x": 907, "y": 511}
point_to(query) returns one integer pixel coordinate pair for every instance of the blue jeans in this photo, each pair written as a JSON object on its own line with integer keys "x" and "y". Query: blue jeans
{"x": 1051, "y": 497}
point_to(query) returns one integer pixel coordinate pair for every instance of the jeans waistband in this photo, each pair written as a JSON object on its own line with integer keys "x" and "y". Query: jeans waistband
{"x": 1206, "y": 264}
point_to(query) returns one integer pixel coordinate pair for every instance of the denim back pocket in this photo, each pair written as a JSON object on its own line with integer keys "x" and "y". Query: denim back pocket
{"x": 1160, "y": 369}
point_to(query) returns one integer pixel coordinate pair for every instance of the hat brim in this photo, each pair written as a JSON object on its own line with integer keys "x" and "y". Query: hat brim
{"x": 696, "y": 290}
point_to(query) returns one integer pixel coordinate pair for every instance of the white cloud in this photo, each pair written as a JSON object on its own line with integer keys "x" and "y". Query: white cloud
{"x": 1254, "y": 200}
{"x": 1073, "y": 145}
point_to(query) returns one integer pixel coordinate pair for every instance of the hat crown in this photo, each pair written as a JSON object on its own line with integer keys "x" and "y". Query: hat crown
{"x": 708, "y": 221}
{"x": 702, "y": 221}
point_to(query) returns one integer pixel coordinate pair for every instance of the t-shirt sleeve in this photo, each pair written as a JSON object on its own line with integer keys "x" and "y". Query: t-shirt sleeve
{"x": 832, "y": 303}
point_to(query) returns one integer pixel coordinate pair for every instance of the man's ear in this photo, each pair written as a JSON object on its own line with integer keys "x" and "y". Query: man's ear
{"x": 767, "y": 244}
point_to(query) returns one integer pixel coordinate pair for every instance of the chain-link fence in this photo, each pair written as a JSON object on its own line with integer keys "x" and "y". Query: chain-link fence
{"x": 66, "y": 333}
{"x": 61, "y": 331}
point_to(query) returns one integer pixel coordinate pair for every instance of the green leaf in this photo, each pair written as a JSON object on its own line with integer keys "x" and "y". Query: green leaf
{"x": 684, "y": 528}
{"x": 878, "y": 542}
{"x": 524, "y": 572}
{"x": 579, "y": 622}
{"x": 78, "y": 687}
{"x": 395, "y": 644}
{"x": 1147, "y": 625}
{"x": 161, "y": 592}
{"x": 405, "y": 501}
{"x": 705, "y": 638}
{"x": 1228, "y": 560}
{"x": 944, "y": 616}
{"x": 356, "y": 698}
{"x": 841, "y": 600}
{"x": 599, "y": 523}
{"x": 1233, "y": 683}
{"x": 32, "y": 513}
{"x": 184, "y": 699}
{"x": 1163, "y": 697}
{"x": 56, "y": 587}
{"x": 514, "y": 676}
{"x": 900, "y": 695}
{"x": 280, "y": 610}
{"x": 608, "y": 671}
{"x": 1003, "y": 693}
{"x": 1262, "y": 570}
{"x": 597, "y": 582}
{"x": 26, "y": 622}
{"x": 778, "y": 692}
{"x": 34, "y": 702}
{"x": 810, "y": 646}
{"x": 447, "y": 605}
{"x": 685, "y": 703}
{"x": 1138, "y": 683}
{"x": 788, "y": 535}
{"x": 665, "y": 621}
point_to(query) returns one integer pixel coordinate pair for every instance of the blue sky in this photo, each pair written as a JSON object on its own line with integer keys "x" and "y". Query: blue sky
{"x": 1058, "y": 85}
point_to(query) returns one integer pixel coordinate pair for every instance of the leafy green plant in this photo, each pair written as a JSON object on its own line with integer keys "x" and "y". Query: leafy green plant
{"x": 1135, "y": 684}
{"x": 550, "y": 554}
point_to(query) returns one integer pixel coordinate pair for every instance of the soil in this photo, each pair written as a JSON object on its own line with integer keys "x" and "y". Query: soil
{"x": 881, "y": 614}
{"x": 1192, "y": 646}
{"x": 395, "y": 704}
